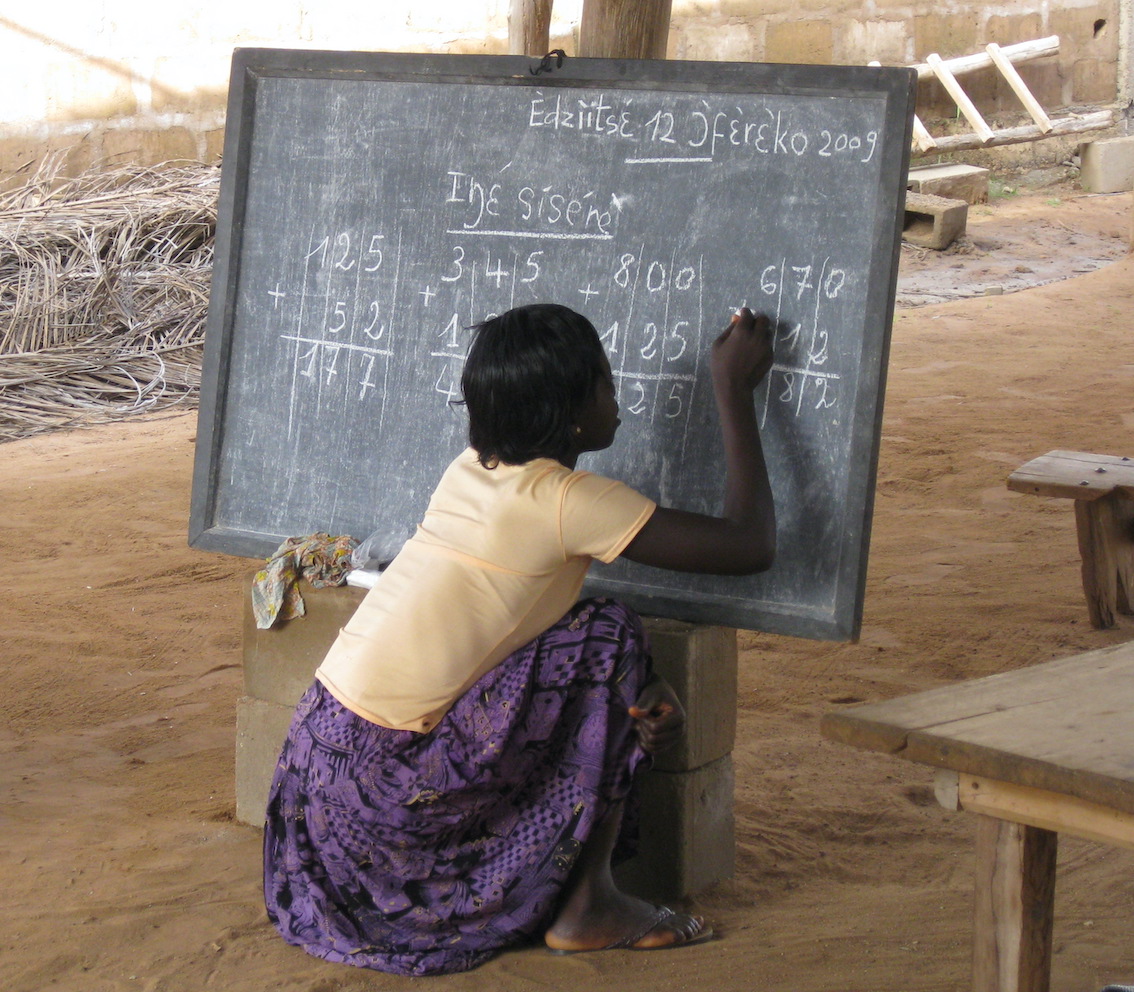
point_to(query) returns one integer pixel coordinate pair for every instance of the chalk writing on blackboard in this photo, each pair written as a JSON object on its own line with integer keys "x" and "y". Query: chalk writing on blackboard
{"x": 375, "y": 207}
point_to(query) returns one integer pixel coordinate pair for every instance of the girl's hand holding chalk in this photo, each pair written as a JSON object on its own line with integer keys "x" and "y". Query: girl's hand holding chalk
{"x": 742, "y": 355}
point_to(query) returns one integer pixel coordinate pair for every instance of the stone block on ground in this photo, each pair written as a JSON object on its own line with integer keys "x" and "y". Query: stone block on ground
{"x": 933, "y": 221}
{"x": 260, "y": 731}
{"x": 687, "y": 835}
{"x": 699, "y": 661}
{"x": 1107, "y": 165}
{"x": 280, "y": 663}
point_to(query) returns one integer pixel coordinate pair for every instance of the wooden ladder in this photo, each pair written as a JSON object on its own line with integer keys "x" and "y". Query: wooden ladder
{"x": 983, "y": 136}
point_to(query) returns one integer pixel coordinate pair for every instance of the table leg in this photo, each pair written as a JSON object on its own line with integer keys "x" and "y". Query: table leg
{"x": 1106, "y": 547}
{"x": 1015, "y": 895}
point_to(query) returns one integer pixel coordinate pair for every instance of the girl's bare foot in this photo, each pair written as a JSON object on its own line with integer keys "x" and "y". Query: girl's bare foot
{"x": 594, "y": 915}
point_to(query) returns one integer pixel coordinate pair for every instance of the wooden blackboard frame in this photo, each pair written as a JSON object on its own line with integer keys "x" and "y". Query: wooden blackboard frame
{"x": 895, "y": 88}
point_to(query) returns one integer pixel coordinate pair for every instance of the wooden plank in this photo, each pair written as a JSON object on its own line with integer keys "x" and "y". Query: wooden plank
{"x": 1014, "y": 907}
{"x": 859, "y": 727}
{"x": 1092, "y": 565}
{"x": 1047, "y": 810}
{"x": 1072, "y": 754}
{"x": 1074, "y": 475}
{"x": 1075, "y": 741}
{"x": 960, "y": 97}
{"x": 937, "y": 707}
{"x": 1019, "y": 87}
{"x": 1061, "y": 726}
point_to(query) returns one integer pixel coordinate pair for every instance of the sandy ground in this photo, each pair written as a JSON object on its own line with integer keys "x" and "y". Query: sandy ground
{"x": 122, "y": 866}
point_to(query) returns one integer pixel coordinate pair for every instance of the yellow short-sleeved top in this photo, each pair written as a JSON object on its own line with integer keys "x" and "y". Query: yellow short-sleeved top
{"x": 499, "y": 557}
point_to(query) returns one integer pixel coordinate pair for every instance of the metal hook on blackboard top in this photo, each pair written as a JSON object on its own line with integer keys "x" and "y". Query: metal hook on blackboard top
{"x": 545, "y": 64}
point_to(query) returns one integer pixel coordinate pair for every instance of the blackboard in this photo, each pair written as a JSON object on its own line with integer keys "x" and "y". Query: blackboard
{"x": 374, "y": 206}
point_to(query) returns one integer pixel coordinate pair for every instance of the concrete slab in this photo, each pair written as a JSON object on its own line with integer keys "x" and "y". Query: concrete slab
{"x": 953, "y": 181}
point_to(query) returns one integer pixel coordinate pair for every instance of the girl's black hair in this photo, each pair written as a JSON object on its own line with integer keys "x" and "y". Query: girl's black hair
{"x": 527, "y": 375}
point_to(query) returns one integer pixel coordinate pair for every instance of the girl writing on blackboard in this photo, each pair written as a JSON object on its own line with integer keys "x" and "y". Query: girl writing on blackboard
{"x": 459, "y": 777}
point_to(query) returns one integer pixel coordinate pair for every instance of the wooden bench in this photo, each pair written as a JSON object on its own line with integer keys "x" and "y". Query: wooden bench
{"x": 1102, "y": 487}
{"x": 1034, "y": 753}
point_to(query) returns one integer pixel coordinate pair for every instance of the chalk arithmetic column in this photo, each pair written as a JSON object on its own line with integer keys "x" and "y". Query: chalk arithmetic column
{"x": 653, "y": 336}
{"x": 338, "y": 323}
{"x": 808, "y": 288}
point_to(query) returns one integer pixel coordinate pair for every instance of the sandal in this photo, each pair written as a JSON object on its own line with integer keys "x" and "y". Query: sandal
{"x": 661, "y": 915}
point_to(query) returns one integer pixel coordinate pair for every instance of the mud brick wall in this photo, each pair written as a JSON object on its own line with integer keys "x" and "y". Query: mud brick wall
{"x": 102, "y": 86}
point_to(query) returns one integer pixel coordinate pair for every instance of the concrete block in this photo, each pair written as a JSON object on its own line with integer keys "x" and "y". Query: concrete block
{"x": 933, "y": 221}
{"x": 1091, "y": 31}
{"x": 954, "y": 182}
{"x": 692, "y": 39}
{"x": 260, "y": 731}
{"x": 947, "y": 34}
{"x": 860, "y": 42}
{"x": 1094, "y": 80}
{"x": 688, "y": 840}
{"x": 1012, "y": 27}
{"x": 21, "y": 156}
{"x": 810, "y": 42}
{"x": 214, "y": 145}
{"x": 687, "y": 835}
{"x": 280, "y": 663}
{"x": 1107, "y": 165}
{"x": 700, "y": 663}
{"x": 1044, "y": 79}
{"x": 85, "y": 89}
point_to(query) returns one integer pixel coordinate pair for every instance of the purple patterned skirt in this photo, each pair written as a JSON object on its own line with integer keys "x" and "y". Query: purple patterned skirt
{"x": 426, "y": 853}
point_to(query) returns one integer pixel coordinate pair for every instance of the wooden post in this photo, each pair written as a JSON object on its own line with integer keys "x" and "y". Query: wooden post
{"x": 529, "y": 27}
{"x": 624, "y": 29}
{"x": 1013, "y": 910}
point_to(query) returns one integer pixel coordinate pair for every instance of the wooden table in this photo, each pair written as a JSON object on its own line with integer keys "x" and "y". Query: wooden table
{"x": 1035, "y": 752}
{"x": 1102, "y": 488}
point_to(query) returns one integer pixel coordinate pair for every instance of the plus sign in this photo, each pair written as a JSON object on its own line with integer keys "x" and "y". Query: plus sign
{"x": 588, "y": 293}
{"x": 276, "y": 296}
{"x": 428, "y": 293}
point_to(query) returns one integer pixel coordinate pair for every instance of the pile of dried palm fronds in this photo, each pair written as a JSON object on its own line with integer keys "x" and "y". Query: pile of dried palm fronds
{"x": 104, "y": 283}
